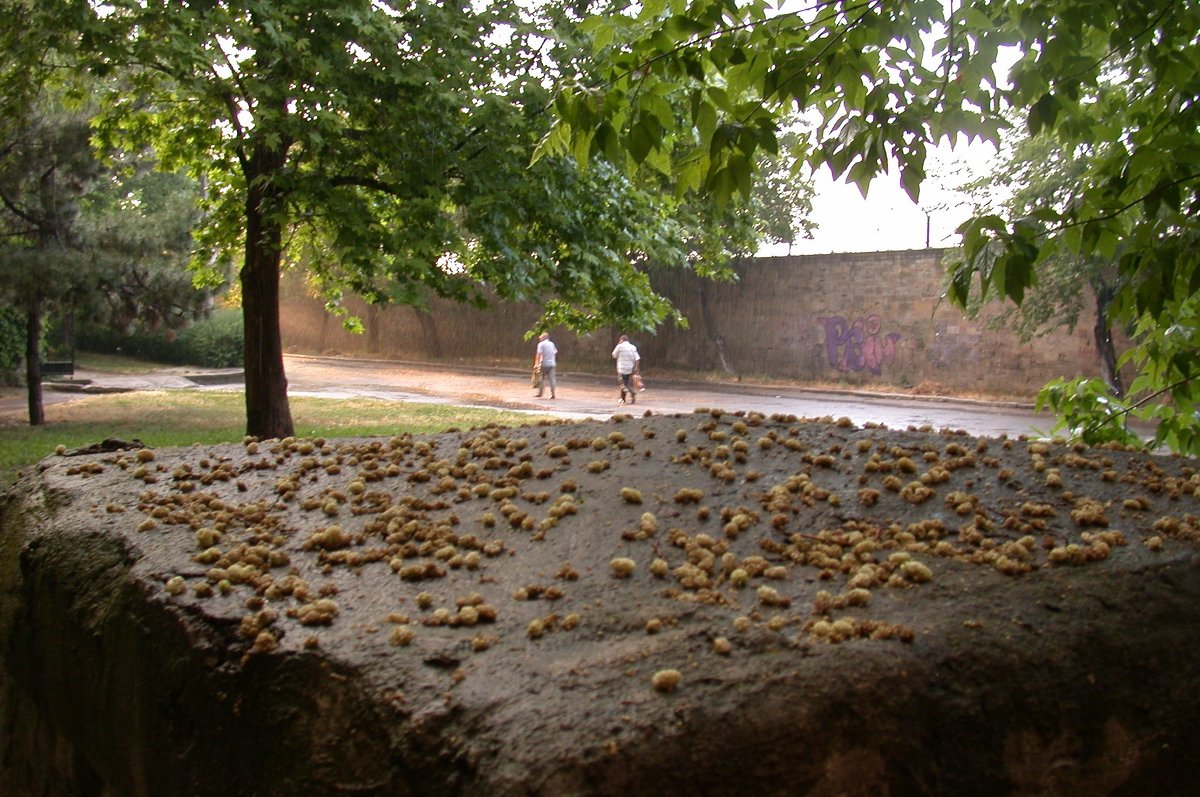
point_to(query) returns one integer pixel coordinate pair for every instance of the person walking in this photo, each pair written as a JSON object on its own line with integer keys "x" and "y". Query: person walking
{"x": 628, "y": 364}
{"x": 545, "y": 360}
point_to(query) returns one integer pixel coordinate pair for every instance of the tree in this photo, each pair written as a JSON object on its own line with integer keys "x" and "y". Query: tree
{"x": 80, "y": 234}
{"x": 138, "y": 226}
{"x": 1036, "y": 173}
{"x": 782, "y": 200}
{"x": 886, "y": 80}
{"x": 383, "y": 145}
{"x": 45, "y": 167}
{"x": 12, "y": 345}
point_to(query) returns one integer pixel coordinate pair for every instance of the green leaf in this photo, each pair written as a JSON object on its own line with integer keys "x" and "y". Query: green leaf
{"x": 682, "y": 26}
{"x": 602, "y": 35}
{"x": 911, "y": 178}
{"x": 705, "y": 117}
{"x": 1043, "y": 114}
{"x": 652, "y": 9}
{"x": 641, "y": 141}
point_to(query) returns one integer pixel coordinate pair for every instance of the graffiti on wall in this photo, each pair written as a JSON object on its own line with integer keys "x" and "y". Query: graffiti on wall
{"x": 956, "y": 345}
{"x": 858, "y": 345}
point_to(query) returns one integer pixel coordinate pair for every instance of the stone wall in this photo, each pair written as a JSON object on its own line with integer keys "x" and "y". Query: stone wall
{"x": 864, "y": 318}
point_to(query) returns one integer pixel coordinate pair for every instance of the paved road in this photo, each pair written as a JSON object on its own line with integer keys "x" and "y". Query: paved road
{"x": 579, "y": 395}
{"x": 591, "y": 396}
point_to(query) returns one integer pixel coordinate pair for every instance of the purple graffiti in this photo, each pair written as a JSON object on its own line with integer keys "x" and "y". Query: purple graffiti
{"x": 858, "y": 345}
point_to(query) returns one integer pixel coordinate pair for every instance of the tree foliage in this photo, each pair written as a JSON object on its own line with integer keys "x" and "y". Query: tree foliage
{"x": 12, "y": 344}
{"x": 138, "y": 224}
{"x": 46, "y": 166}
{"x": 106, "y": 239}
{"x": 1036, "y": 173}
{"x": 781, "y": 197}
{"x": 886, "y": 79}
{"x": 384, "y": 145}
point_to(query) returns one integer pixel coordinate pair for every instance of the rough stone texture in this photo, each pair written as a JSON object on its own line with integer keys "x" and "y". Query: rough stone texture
{"x": 921, "y": 613}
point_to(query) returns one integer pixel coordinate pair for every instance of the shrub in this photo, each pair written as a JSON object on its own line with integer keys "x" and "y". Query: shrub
{"x": 215, "y": 342}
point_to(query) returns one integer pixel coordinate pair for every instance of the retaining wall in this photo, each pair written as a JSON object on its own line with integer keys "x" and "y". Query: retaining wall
{"x": 862, "y": 318}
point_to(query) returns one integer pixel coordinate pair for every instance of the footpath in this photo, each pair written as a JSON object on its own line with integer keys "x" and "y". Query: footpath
{"x": 580, "y": 395}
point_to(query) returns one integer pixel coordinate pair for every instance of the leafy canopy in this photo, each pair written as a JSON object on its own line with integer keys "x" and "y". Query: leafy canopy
{"x": 106, "y": 238}
{"x": 391, "y": 142}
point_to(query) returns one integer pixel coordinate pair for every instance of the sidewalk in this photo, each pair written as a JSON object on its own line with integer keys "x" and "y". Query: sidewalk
{"x": 92, "y": 383}
{"x": 580, "y": 395}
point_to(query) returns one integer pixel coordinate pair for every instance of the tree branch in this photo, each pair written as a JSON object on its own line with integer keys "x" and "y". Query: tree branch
{"x": 349, "y": 180}
{"x": 1123, "y": 208}
{"x": 1142, "y": 402}
{"x": 17, "y": 211}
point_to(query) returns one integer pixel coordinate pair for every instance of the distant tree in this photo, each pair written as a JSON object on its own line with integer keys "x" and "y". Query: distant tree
{"x": 90, "y": 235}
{"x": 138, "y": 227}
{"x": 12, "y": 345}
{"x": 45, "y": 167}
{"x": 782, "y": 196}
{"x": 1035, "y": 174}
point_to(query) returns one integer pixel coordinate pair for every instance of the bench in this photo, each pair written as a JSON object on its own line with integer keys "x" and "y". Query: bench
{"x": 57, "y": 368}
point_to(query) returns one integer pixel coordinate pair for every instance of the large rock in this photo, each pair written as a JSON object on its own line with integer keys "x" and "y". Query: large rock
{"x": 705, "y": 605}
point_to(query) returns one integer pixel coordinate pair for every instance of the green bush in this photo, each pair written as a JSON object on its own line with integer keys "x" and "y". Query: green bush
{"x": 215, "y": 342}
{"x": 12, "y": 345}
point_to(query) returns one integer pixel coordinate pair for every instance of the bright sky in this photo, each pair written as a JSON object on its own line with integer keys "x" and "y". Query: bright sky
{"x": 887, "y": 219}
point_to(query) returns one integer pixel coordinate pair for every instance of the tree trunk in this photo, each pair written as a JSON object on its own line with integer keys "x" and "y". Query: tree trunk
{"x": 267, "y": 412}
{"x": 1102, "y": 334}
{"x": 33, "y": 364}
{"x": 373, "y": 321}
{"x": 714, "y": 335}
{"x": 429, "y": 333}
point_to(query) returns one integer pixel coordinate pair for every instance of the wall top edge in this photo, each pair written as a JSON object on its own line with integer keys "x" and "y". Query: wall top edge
{"x": 865, "y": 253}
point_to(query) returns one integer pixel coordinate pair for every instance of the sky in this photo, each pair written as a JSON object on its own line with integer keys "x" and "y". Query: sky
{"x": 887, "y": 219}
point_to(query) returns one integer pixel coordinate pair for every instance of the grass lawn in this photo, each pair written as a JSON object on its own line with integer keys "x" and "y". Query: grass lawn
{"x": 183, "y": 417}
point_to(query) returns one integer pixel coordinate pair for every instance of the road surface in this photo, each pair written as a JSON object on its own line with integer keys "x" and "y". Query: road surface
{"x": 579, "y": 395}
{"x": 591, "y": 396}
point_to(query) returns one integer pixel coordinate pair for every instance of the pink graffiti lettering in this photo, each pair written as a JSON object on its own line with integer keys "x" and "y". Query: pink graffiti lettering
{"x": 858, "y": 345}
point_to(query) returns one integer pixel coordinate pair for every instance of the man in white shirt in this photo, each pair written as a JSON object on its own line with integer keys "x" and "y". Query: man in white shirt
{"x": 628, "y": 362}
{"x": 546, "y": 359}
